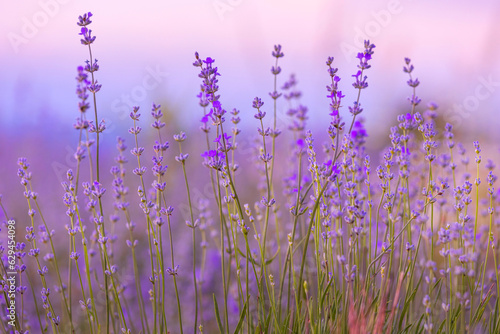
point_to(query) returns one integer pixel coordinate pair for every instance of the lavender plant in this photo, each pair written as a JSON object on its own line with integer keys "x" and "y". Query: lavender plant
{"x": 307, "y": 240}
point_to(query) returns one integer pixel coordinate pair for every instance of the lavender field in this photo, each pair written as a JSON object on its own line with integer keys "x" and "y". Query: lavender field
{"x": 259, "y": 215}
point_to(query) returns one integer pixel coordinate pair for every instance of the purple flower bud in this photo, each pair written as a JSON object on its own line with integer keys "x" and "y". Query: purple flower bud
{"x": 43, "y": 271}
{"x": 87, "y": 36}
{"x": 180, "y": 137}
{"x": 257, "y": 103}
{"x": 173, "y": 272}
{"x": 277, "y": 52}
{"x": 181, "y": 158}
{"x": 84, "y": 19}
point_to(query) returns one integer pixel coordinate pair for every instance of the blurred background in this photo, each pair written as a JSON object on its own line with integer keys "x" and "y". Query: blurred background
{"x": 145, "y": 51}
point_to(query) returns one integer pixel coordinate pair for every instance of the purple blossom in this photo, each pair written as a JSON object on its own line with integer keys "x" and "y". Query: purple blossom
{"x": 84, "y": 19}
{"x": 87, "y": 37}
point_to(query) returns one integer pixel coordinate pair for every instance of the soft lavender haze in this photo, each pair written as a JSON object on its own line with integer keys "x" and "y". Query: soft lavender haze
{"x": 456, "y": 40}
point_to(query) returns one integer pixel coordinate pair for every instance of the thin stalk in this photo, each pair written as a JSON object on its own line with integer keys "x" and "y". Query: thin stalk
{"x": 193, "y": 227}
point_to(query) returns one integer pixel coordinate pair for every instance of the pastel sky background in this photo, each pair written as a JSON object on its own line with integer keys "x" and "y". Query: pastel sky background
{"x": 453, "y": 44}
